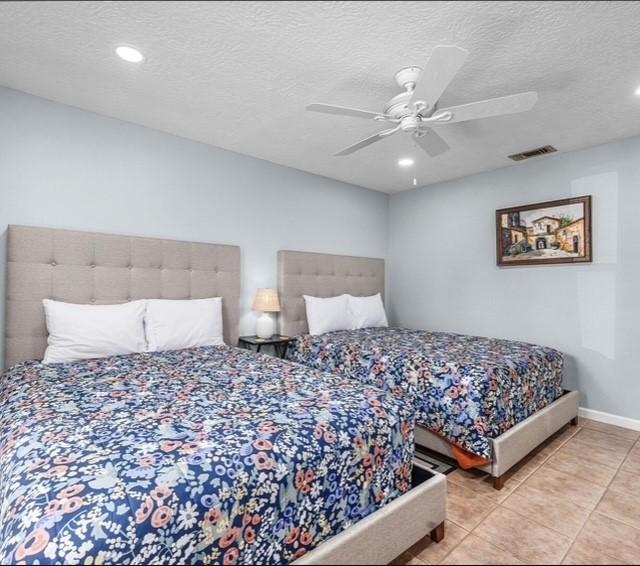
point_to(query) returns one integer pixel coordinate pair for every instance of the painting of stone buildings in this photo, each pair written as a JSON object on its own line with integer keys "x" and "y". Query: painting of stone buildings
{"x": 550, "y": 232}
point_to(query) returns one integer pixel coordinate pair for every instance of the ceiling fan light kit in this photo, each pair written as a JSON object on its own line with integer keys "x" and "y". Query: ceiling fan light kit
{"x": 416, "y": 109}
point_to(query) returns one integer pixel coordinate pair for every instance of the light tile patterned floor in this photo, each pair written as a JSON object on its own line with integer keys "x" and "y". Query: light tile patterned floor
{"x": 575, "y": 500}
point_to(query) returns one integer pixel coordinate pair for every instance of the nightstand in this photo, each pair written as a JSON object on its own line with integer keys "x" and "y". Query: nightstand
{"x": 278, "y": 342}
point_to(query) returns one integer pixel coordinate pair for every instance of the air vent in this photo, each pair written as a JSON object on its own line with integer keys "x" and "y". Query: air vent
{"x": 533, "y": 153}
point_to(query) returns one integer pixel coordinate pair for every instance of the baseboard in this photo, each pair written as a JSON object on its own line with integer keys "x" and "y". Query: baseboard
{"x": 608, "y": 418}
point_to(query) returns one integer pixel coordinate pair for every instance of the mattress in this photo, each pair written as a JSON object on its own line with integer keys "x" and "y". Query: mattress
{"x": 467, "y": 389}
{"x": 208, "y": 455}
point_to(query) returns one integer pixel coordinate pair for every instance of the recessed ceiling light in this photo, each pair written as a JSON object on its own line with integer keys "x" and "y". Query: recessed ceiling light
{"x": 130, "y": 54}
{"x": 637, "y": 91}
{"x": 405, "y": 162}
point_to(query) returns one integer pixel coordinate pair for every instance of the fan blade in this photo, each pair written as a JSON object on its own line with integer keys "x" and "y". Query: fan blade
{"x": 431, "y": 143}
{"x": 443, "y": 66}
{"x": 492, "y": 107}
{"x": 344, "y": 111}
{"x": 367, "y": 141}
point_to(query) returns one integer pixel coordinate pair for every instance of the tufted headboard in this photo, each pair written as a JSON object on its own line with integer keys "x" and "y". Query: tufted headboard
{"x": 88, "y": 268}
{"x": 322, "y": 275}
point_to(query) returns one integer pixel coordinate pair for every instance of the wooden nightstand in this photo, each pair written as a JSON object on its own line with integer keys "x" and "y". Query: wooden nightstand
{"x": 278, "y": 342}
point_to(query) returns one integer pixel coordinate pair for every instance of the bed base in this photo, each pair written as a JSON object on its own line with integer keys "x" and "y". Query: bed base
{"x": 512, "y": 446}
{"x": 387, "y": 533}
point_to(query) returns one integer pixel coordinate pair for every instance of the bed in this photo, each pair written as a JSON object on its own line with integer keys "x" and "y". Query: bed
{"x": 487, "y": 402}
{"x": 205, "y": 455}
{"x": 136, "y": 451}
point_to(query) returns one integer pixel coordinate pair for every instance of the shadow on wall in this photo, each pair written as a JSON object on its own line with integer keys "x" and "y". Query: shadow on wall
{"x": 597, "y": 287}
{"x": 570, "y": 378}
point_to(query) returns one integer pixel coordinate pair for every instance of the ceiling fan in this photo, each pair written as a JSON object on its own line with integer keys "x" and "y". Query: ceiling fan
{"x": 416, "y": 109}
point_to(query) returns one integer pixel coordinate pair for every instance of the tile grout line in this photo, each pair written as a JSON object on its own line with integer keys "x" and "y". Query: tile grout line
{"x": 618, "y": 468}
{"x": 472, "y": 531}
{"x": 598, "y": 503}
{"x": 635, "y": 440}
{"x": 456, "y": 546}
{"x": 570, "y": 537}
{"x": 572, "y": 540}
{"x": 578, "y": 429}
{"x": 619, "y": 520}
{"x": 520, "y": 482}
{"x": 493, "y": 543}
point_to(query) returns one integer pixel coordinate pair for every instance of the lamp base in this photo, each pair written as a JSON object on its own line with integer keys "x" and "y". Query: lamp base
{"x": 265, "y": 326}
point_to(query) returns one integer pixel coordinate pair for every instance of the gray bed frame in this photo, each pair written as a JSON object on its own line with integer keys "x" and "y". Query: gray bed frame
{"x": 90, "y": 268}
{"x": 326, "y": 275}
{"x": 102, "y": 269}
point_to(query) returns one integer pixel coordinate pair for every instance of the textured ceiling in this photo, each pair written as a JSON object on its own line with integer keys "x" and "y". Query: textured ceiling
{"x": 239, "y": 74}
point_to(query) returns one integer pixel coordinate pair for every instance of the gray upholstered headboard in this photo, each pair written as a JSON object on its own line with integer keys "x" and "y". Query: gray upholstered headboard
{"x": 88, "y": 268}
{"x": 322, "y": 275}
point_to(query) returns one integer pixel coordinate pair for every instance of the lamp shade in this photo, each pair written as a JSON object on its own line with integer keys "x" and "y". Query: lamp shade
{"x": 266, "y": 301}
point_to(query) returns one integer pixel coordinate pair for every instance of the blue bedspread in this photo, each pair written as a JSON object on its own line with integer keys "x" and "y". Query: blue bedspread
{"x": 210, "y": 455}
{"x": 465, "y": 388}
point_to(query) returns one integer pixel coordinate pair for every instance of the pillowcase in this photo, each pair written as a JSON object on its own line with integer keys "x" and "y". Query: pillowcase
{"x": 367, "y": 312}
{"x": 175, "y": 325}
{"x": 81, "y": 332}
{"x": 326, "y": 315}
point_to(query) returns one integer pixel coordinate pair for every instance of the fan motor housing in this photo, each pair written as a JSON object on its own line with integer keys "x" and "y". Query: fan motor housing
{"x": 410, "y": 123}
{"x": 407, "y": 77}
{"x": 398, "y": 106}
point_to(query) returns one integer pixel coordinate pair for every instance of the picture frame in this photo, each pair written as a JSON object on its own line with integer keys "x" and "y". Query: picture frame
{"x": 544, "y": 233}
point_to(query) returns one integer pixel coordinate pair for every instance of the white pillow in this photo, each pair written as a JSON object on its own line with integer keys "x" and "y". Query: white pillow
{"x": 367, "y": 312}
{"x": 326, "y": 315}
{"x": 81, "y": 332}
{"x": 175, "y": 325}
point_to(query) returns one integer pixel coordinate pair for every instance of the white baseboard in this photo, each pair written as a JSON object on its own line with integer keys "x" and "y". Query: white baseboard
{"x": 608, "y": 418}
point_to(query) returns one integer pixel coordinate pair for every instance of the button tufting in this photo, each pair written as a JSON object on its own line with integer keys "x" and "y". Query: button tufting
{"x": 92, "y": 266}
{"x": 93, "y": 301}
{"x": 53, "y": 264}
{"x": 129, "y": 266}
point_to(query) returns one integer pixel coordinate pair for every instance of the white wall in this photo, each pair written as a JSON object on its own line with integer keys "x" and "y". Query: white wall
{"x": 443, "y": 274}
{"x": 65, "y": 168}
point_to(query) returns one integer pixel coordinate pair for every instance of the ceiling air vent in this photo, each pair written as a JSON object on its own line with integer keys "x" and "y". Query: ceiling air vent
{"x": 533, "y": 153}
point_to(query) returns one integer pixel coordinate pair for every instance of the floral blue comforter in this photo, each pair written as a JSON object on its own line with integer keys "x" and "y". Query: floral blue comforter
{"x": 209, "y": 455}
{"x": 465, "y": 388}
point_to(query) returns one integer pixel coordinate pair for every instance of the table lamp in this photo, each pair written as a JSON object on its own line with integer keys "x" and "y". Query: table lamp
{"x": 266, "y": 302}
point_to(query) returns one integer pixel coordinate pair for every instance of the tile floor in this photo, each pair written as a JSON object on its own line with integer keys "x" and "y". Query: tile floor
{"x": 575, "y": 500}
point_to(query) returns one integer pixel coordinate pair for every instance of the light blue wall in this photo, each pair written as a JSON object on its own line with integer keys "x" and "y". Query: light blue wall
{"x": 66, "y": 168}
{"x": 443, "y": 274}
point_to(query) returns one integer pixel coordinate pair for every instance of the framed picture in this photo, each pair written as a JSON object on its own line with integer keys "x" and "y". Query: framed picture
{"x": 558, "y": 231}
